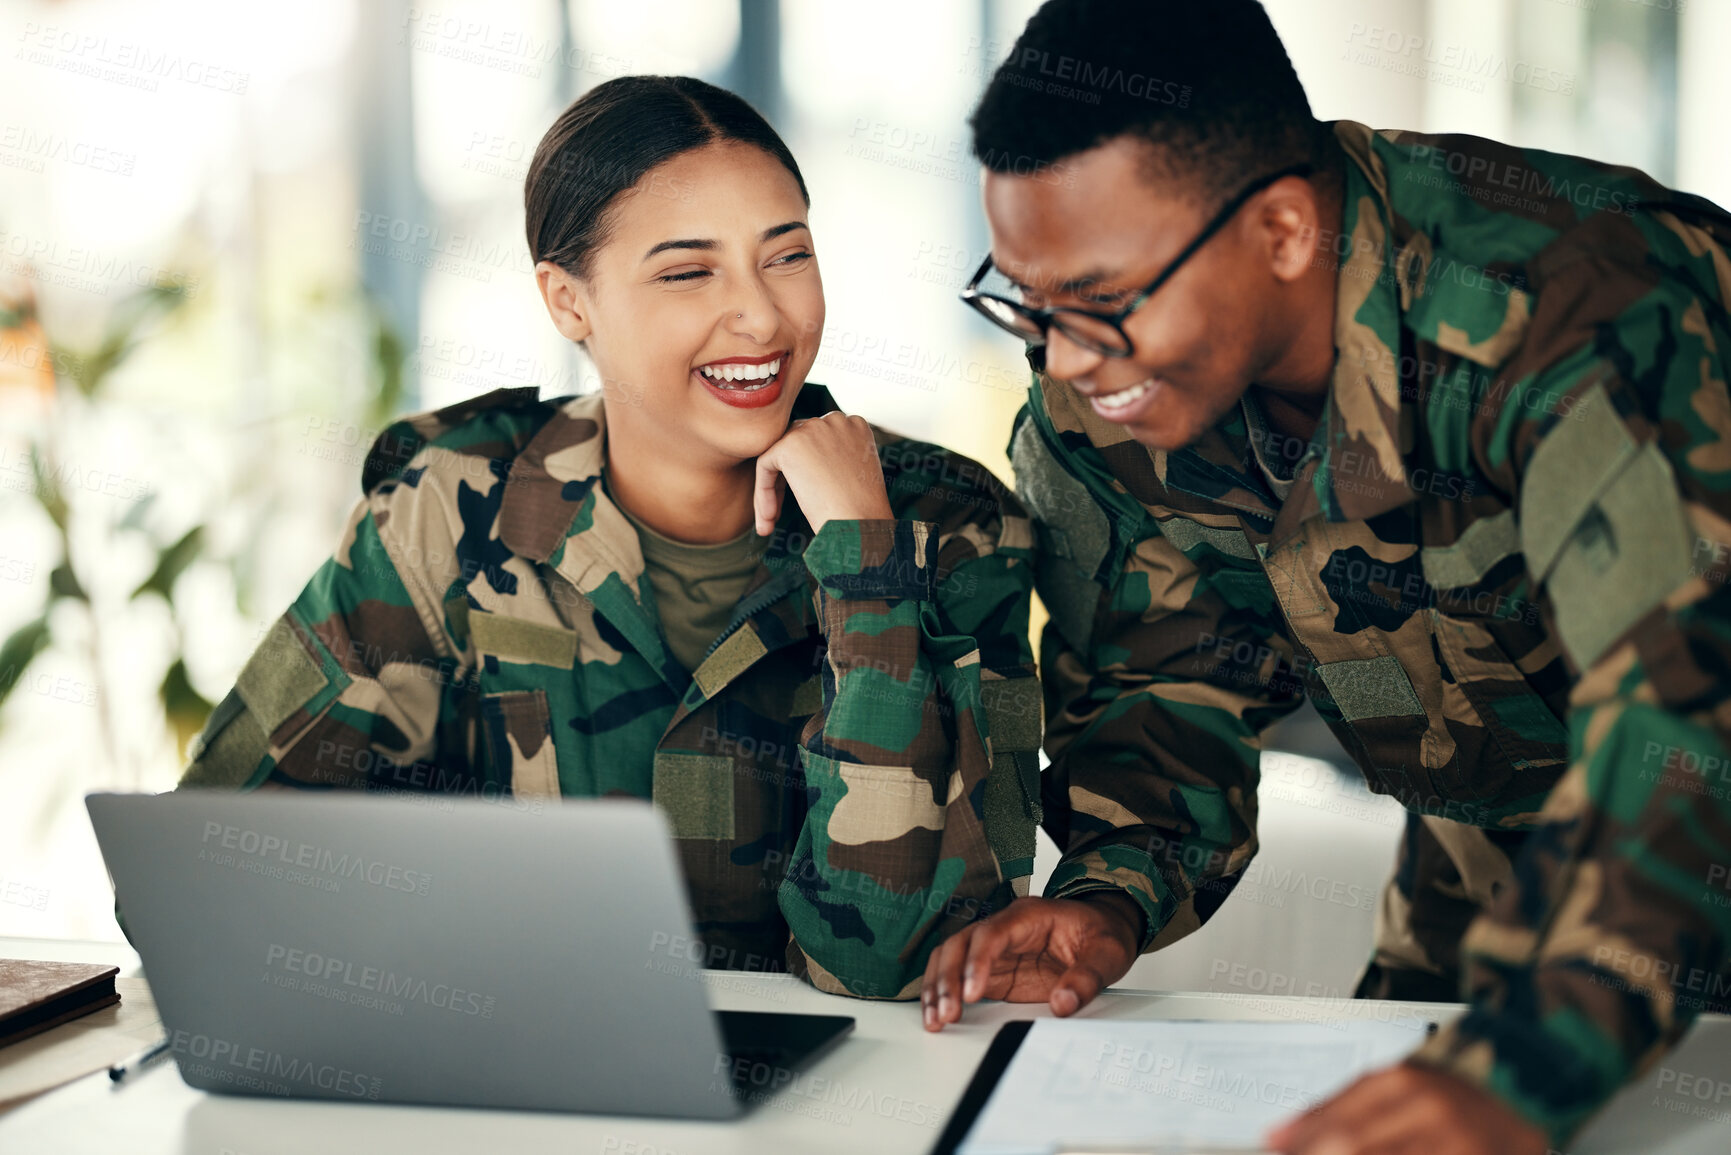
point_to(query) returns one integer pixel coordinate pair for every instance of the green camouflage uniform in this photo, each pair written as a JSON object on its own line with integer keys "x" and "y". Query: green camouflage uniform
{"x": 850, "y": 774}
{"x": 1498, "y": 570}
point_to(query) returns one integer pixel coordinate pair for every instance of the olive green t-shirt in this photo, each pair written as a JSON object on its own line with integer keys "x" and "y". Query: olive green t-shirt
{"x": 696, "y": 586}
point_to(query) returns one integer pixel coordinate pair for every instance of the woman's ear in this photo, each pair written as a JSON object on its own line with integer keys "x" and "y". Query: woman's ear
{"x": 567, "y": 300}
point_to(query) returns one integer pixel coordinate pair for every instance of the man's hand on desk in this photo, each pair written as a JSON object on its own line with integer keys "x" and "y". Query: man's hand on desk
{"x": 1410, "y": 1108}
{"x": 1062, "y": 951}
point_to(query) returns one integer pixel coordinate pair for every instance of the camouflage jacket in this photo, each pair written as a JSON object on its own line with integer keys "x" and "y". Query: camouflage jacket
{"x": 1498, "y": 570}
{"x": 851, "y": 773}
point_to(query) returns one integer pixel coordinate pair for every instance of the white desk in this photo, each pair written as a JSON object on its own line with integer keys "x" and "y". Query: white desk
{"x": 888, "y": 1088}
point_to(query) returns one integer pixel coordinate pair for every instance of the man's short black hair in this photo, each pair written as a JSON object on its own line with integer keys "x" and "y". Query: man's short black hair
{"x": 1206, "y": 82}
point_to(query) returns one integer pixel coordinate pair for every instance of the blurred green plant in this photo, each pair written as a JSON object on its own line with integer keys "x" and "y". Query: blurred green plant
{"x": 75, "y": 383}
{"x": 84, "y": 374}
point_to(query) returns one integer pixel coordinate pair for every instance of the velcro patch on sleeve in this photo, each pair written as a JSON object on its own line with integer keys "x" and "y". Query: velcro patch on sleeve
{"x": 1370, "y": 688}
{"x": 1480, "y": 547}
{"x": 1075, "y": 525}
{"x": 1072, "y": 530}
{"x": 1603, "y": 526}
{"x": 1570, "y": 466}
{"x": 1624, "y": 557}
{"x": 1010, "y": 816}
{"x": 227, "y": 753}
{"x": 1013, "y": 712}
{"x": 280, "y": 677}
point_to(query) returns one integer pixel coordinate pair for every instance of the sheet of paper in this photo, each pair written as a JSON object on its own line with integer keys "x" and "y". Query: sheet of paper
{"x": 1146, "y": 1085}
{"x": 74, "y": 1049}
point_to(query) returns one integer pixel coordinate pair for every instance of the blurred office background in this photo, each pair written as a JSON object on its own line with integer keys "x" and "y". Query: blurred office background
{"x": 236, "y": 240}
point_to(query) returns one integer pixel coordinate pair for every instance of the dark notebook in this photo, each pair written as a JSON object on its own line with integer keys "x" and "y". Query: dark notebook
{"x": 37, "y": 995}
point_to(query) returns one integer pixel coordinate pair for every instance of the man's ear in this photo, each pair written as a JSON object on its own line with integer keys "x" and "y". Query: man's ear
{"x": 1292, "y": 224}
{"x": 567, "y": 300}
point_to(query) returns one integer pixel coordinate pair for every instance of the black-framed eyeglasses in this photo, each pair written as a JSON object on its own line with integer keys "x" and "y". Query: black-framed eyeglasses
{"x": 1103, "y": 333}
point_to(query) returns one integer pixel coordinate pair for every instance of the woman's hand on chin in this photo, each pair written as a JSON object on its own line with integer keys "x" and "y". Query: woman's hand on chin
{"x": 831, "y": 463}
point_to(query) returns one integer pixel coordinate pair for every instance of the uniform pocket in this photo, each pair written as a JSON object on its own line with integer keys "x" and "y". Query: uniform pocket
{"x": 1530, "y": 744}
{"x": 1492, "y": 639}
{"x": 520, "y": 743}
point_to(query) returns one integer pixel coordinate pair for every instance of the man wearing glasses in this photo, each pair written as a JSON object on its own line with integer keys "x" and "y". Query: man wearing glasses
{"x": 1431, "y": 430}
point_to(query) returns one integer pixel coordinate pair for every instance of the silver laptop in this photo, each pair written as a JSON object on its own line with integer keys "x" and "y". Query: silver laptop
{"x": 453, "y": 951}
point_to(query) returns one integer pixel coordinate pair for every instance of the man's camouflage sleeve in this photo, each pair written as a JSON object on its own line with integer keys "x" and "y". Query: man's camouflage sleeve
{"x": 347, "y": 680}
{"x": 921, "y": 769}
{"x": 1161, "y": 668}
{"x": 1618, "y": 927}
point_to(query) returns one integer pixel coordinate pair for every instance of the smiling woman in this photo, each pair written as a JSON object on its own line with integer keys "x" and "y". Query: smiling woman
{"x": 668, "y": 226}
{"x": 803, "y": 637}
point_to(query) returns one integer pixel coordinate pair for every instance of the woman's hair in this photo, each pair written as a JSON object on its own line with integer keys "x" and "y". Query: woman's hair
{"x": 606, "y": 142}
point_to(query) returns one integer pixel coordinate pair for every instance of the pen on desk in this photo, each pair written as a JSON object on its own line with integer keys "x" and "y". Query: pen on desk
{"x": 126, "y": 1066}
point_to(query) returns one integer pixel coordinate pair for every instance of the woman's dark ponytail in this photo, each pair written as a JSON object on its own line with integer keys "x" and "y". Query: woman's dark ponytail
{"x": 610, "y": 137}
